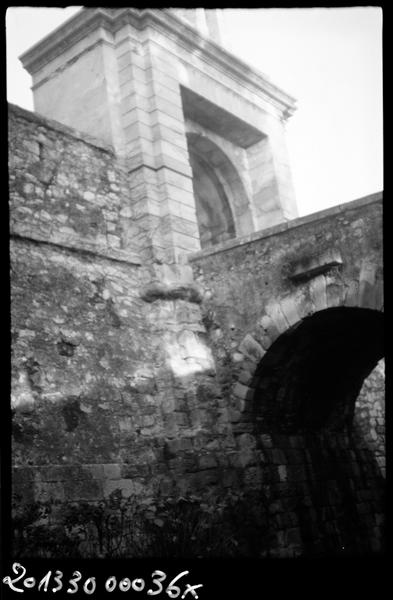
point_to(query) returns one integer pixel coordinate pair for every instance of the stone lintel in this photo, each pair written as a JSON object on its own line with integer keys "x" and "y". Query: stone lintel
{"x": 79, "y": 26}
{"x": 314, "y": 265}
{"x": 160, "y": 291}
{"x": 217, "y": 119}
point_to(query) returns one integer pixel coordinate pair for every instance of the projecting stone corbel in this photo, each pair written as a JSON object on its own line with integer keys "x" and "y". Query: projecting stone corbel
{"x": 317, "y": 264}
{"x": 160, "y": 291}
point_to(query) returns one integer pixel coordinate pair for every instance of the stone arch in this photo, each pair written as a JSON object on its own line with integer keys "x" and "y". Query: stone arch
{"x": 364, "y": 291}
{"x": 312, "y": 374}
{"x": 300, "y": 372}
{"x": 222, "y": 204}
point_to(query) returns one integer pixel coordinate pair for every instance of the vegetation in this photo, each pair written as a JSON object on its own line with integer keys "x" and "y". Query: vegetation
{"x": 189, "y": 526}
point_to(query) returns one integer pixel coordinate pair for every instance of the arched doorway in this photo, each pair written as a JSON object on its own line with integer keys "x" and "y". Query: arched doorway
{"x": 223, "y": 207}
{"x": 214, "y": 216}
{"x": 324, "y": 481}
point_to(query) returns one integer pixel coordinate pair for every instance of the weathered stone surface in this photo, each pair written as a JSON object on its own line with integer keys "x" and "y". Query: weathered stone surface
{"x": 252, "y": 348}
{"x": 176, "y": 292}
{"x": 138, "y": 369}
{"x": 316, "y": 264}
{"x": 92, "y": 382}
{"x": 321, "y": 467}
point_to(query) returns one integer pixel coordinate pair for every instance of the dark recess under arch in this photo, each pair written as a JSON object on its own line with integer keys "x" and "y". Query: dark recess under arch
{"x": 311, "y": 376}
{"x": 324, "y": 477}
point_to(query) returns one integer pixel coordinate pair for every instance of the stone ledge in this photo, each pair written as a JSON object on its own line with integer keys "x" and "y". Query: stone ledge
{"x": 160, "y": 291}
{"x": 240, "y": 241}
{"x": 339, "y": 208}
{"x": 314, "y": 265}
{"x": 113, "y": 255}
{"x": 59, "y": 127}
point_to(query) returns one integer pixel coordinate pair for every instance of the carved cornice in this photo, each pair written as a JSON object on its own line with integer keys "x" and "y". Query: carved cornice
{"x": 86, "y": 21}
{"x": 64, "y": 37}
{"x": 221, "y": 58}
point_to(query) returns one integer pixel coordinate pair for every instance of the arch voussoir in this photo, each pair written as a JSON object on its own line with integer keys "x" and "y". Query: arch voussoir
{"x": 290, "y": 309}
{"x": 241, "y": 391}
{"x": 318, "y": 293}
{"x": 247, "y": 374}
{"x": 367, "y": 276}
{"x": 335, "y": 292}
{"x": 378, "y": 298}
{"x": 249, "y": 353}
{"x": 321, "y": 293}
{"x": 275, "y": 312}
{"x": 251, "y": 348}
{"x": 352, "y": 294}
{"x": 268, "y": 332}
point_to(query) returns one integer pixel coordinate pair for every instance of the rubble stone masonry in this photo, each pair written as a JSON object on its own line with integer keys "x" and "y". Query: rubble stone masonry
{"x": 227, "y": 371}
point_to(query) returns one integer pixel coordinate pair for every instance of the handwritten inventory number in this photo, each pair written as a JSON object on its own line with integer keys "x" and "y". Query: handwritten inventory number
{"x": 111, "y": 584}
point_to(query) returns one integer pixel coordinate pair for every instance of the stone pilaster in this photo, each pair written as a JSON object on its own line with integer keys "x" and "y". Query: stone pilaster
{"x": 135, "y": 78}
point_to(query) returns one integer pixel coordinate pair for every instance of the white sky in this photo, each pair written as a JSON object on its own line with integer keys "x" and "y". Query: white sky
{"x": 330, "y": 59}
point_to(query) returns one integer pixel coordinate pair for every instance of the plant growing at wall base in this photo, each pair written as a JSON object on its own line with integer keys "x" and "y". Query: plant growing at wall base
{"x": 182, "y": 526}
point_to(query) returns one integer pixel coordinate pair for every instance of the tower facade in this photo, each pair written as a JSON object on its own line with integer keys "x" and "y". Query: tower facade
{"x": 200, "y": 133}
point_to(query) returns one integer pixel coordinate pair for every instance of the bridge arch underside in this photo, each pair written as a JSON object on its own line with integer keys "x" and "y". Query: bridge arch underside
{"x": 317, "y": 412}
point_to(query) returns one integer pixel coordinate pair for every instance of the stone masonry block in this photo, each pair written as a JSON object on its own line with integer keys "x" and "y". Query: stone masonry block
{"x": 128, "y": 487}
{"x": 275, "y": 312}
{"x": 207, "y": 461}
{"x": 83, "y": 490}
{"x": 366, "y": 285}
{"x": 251, "y": 347}
{"x": 241, "y": 391}
{"x": 270, "y": 328}
{"x": 245, "y": 377}
{"x": 379, "y": 295}
{"x": 290, "y": 310}
{"x": 246, "y": 441}
{"x": 318, "y": 292}
{"x": 352, "y": 294}
{"x": 112, "y": 471}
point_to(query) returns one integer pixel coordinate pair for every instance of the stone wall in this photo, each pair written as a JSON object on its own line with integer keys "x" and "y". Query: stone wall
{"x": 369, "y": 416}
{"x": 146, "y": 376}
{"x": 113, "y": 385}
{"x": 294, "y": 322}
